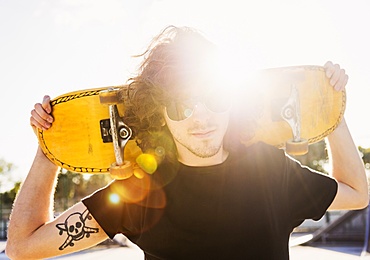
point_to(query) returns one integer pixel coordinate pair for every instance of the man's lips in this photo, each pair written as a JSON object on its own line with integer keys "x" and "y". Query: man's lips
{"x": 203, "y": 133}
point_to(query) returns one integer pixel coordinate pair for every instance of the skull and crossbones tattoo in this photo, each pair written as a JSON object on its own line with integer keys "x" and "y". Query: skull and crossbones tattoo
{"x": 75, "y": 227}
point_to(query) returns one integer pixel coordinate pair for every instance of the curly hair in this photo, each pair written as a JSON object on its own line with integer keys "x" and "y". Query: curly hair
{"x": 170, "y": 60}
{"x": 173, "y": 60}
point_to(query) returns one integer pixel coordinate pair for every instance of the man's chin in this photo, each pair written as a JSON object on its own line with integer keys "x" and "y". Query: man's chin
{"x": 205, "y": 153}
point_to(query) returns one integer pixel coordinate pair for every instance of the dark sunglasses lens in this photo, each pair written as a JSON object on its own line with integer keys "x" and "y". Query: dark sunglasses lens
{"x": 178, "y": 111}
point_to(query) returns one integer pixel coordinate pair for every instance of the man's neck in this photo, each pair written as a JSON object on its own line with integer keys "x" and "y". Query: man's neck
{"x": 190, "y": 159}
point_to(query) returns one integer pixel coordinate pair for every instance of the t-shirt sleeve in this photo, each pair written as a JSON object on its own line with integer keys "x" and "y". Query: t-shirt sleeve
{"x": 310, "y": 193}
{"x": 106, "y": 208}
{"x": 126, "y": 207}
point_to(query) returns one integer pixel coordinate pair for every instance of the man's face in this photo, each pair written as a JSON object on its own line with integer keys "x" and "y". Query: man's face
{"x": 201, "y": 128}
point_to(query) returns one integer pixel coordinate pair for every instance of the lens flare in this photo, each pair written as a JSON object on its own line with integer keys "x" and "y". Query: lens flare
{"x": 114, "y": 198}
{"x": 147, "y": 162}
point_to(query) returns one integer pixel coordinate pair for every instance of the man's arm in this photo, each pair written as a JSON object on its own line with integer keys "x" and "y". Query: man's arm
{"x": 346, "y": 165}
{"x": 33, "y": 233}
{"x": 348, "y": 169}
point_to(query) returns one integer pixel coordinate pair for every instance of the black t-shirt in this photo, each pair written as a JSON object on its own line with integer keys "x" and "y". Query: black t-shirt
{"x": 244, "y": 208}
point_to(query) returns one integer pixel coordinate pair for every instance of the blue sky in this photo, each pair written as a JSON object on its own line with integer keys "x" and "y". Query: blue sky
{"x": 53, "y": 47}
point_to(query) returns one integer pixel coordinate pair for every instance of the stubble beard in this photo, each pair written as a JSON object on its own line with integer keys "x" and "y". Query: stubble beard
{"x": 205, "y": 150}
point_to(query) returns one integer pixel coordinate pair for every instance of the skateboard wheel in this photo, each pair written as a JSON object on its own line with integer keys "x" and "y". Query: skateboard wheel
{"x": 296, "y": 147}
{"x": 121, "y": 172}
{"x": 109, "y": 96}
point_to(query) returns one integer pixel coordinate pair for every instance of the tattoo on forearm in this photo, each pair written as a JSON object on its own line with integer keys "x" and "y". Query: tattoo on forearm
{"x": 75, "y": 227}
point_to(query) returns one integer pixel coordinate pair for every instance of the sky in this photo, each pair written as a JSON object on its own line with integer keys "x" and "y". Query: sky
{"x": 54, "y": 47}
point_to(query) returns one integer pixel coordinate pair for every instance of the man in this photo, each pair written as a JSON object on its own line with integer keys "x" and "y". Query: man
{"x": 211, "y": 197}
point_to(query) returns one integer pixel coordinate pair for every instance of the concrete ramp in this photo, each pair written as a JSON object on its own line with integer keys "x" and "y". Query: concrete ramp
{"x": 348, "y": 228}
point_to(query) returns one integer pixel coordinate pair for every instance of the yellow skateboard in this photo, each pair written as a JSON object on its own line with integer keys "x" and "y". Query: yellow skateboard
{"x": 89, "y": 135}
{"x": 82, "y": 138}
{"x": 298, "y": 107}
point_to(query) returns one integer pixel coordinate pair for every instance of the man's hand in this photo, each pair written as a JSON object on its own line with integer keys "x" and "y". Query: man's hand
{"x": 40, "y": 115}
{"x": 338, "y": 77}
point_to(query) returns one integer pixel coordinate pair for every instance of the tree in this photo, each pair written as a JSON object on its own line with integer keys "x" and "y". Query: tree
{"x": 72, "y": 187}
{"x": 5, "y": 176}
{"x": 7, "y": 194}
{"x": 365, "y": 152}
{"x": 8, "y": 187}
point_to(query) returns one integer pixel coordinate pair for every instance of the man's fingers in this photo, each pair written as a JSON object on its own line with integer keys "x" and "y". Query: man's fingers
{"x": 329, "y": 69}
{"x": 342, "y": 82}
{"x": 43, "y": 110}
{"x": 40, "y": 115}
{"x": 337, "y": 76}
{"x": 36, "y": 124}
{"x": 39, "y": 118}
{"x": 46, "y": 104}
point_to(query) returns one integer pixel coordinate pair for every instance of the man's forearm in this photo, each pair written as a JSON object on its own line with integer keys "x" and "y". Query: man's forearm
{"x": 34, "y": 203}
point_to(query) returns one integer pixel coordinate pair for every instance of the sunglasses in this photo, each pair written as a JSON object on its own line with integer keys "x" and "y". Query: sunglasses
{"x": 179, "y": 110}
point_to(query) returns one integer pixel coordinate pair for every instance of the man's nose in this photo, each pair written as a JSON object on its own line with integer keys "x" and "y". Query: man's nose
{"x": 200, "y": 112}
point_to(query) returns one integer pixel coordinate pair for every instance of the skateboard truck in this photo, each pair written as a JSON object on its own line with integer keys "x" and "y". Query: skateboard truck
{"x": 291, "y": 113}
{"x": 120, "y": 134}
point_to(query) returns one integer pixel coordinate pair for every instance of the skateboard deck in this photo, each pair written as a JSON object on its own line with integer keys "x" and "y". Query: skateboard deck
{"x": 298, "y": 107}
{"x": 296, "y": 100}
{"x": 79, "y": 138}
